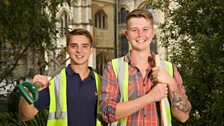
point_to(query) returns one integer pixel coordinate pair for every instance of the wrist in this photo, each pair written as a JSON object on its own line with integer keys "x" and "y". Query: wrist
{"x": 172, "y": 85}
{"x": 148, "y": 99}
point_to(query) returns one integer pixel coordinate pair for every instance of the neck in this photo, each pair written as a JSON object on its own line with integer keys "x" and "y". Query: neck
{"x": 140, "y": 57}
{"x": 82, "y": 70}
{"x": 140, "y": 60}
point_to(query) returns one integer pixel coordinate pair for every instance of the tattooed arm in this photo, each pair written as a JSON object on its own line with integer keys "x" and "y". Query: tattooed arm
{"x": 180, "y": 105}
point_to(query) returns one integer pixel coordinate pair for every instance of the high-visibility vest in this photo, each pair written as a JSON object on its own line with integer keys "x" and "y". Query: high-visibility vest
{"x": 58, "y": 100}
{"x": 120, "y": 68}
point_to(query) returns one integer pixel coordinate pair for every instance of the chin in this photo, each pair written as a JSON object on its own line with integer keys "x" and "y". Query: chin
{"x": 81, "y": 63}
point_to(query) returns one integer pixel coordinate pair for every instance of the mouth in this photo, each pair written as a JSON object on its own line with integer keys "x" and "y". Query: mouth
{"x": 79, "y": 57}
{"x": 140, "y": 41}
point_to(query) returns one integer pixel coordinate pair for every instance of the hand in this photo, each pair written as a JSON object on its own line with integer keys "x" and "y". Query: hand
{"x": 158, "y": 92}
{"x": 161, "y": 75}
{"x": 41, "y": 80}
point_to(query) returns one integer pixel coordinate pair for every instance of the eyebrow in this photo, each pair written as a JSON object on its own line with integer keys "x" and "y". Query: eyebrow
{"x": 139, "y": 27}
{"x": 86, "y": 44}
{"x": 75, "y": 43}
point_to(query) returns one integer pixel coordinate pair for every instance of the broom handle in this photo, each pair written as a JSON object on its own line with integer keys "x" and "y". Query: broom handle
{"x": 162, "y": 102}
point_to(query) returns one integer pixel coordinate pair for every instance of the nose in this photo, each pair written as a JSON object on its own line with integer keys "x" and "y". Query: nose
{"x": 78, "y": 49}
{"x": 140, "y": 33}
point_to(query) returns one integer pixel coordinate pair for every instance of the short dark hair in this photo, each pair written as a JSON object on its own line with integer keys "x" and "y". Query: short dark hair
{"x": 79, "y": 31}
{"x": 138, "y": 13}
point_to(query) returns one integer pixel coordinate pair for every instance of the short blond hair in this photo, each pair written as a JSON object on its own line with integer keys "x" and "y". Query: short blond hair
{"x": 79, "y": 31}
{"x": 138, "y": 13}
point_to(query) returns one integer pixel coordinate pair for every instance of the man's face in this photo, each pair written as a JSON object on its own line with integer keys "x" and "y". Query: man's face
{"x": 139, "y": 33}
{"x": 79, "y": 49}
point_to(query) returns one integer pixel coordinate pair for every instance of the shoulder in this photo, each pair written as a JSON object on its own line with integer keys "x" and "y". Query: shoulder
{"x": 168, "y": 66}
{"x": 166, "y": 63}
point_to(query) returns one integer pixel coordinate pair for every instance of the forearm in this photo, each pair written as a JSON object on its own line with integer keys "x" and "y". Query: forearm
{"x": 125, "y": 109}
{"x": 26, "y": 111}
{"x": 112, "y": 111}
{"x": 180, "y": 104}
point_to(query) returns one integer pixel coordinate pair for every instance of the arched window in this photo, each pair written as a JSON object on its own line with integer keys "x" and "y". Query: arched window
{"x": 123, "y": 15}
{"x": 101, "y": 20}
{"x": 124, "y": 45}
{"x": 63, "y": 24}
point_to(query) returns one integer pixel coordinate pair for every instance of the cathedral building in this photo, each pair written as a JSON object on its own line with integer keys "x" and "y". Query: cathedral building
{"x": 105, "y": 19}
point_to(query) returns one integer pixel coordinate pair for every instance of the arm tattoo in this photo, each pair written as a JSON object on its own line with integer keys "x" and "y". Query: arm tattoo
{"x": 179, "y": 103}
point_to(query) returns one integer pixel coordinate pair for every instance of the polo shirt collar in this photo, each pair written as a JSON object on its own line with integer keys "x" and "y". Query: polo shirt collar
{"x": 69, "y": 71}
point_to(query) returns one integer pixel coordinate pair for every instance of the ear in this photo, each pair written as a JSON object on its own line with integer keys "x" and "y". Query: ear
{"x": 126, "y": 34}
{"x": 66, "y": 49}
{"x": 153, "y": 32}
{"x": 91, "y": 49}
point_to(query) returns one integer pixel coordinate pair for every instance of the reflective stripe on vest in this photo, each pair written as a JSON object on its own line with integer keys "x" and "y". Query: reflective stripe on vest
{"x": 98, "y": 84}
{"x": 58, "y": 100}
{"x": 120, "y": 68}
{"x": 121, "y": 71}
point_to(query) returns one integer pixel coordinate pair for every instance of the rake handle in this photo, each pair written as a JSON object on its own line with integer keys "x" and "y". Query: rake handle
{"x": 162, "y": 102}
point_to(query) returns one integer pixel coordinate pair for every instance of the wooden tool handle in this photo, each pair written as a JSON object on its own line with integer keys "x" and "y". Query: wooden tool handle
{"x": 162, "y": 102}
{"x": 157, "y": 60}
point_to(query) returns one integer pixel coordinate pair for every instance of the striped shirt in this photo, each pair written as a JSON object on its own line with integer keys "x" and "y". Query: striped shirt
{"x": 137, "y": 87}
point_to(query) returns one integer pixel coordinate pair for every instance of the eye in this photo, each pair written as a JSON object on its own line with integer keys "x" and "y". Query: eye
{"x": 85, "y": 46}
{"x": 72, "y": 45}
{"x": 145, "y": 29}
{"x": 134, "y": 30}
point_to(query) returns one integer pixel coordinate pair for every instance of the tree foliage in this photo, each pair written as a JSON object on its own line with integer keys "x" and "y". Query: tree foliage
{"x": 194, "y": 35}
{"x": 27, "y": 27}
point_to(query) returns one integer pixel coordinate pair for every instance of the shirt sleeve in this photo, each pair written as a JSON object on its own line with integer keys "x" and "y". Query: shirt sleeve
{"x": 109, "y": 94}
{"x": 178, "y": 79}
{"x": 43, "y": 100}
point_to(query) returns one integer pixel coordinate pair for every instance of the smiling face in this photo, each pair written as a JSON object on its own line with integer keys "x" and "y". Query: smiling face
{"x": 79, "y": 49}
{"x": 140, "y": 29}
{"x": 139, "y": 33}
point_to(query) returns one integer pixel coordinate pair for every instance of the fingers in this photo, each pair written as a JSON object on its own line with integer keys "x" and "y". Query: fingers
{"x": 163, "y": 89}
{"x": 155, "y": 74}
{"x": 159, "y": 91}
{"x": 41, "y": 80}
{"x": 159, "y": 75}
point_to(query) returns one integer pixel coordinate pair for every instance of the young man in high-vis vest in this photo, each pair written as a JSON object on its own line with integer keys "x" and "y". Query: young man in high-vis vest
{"x": 72, "y": 95}
{"x": 132, "y": 85}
